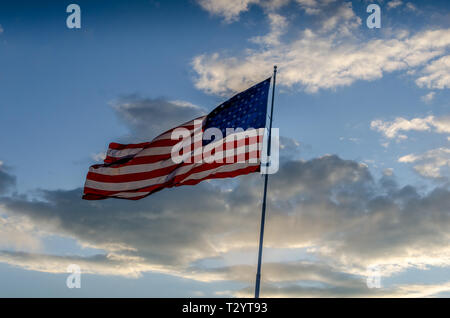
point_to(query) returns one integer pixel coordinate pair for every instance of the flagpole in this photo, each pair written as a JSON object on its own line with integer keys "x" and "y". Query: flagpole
{"x": 266, "y": 179}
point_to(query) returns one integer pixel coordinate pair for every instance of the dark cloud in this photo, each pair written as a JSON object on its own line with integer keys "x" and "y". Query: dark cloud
{"x": 161, "y": 229}
{"x": 147, "y": 117}
{"x": 7, "y": 181}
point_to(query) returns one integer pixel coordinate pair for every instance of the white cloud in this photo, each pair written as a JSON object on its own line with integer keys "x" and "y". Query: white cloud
{"x": 388, "y": 172}
{"x": 410, "y": 6}
{"x": 428, "y": 97}
{"x": 342, "y": 19}
{"x": 431, "y": 163}
{"x": 394, "y": 4}
{"x": 110, "y": 264}
{"x": 332, "y": 56}
{"x": 314, "y": 7}
{"x": 395, "y": 128}
{"x": 19, "y": 233}
{"x": 99, "y": 157}
{"x": 442, "y": 124}
{"x": 317, "y": 60}
{"x": 229, "y": 9}
{"x": 437, "y": 74}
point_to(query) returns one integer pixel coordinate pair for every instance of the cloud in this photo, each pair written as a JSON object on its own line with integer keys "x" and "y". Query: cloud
{"x": 316, "y": 61}
{"x": 395, "y": 128}
{"x": 229, "y": 9}
{"x": 278, "y": 24}
{"x": 431, "y": 163}
{"x": 342, "y": 19}
{"x": 7, "y": 181}
{"x": 436, "y": 74}
{"x": 289, "y": 148}
{"x": 442, "y": 124}
{"x": 335, "y": 54}
{"x": 428, "y": 97}
{"x": 147, "y": 118}
{"x": 19, "y": 233}
{"x": 394, "y": 4}
{"x": 388, "y": 172}
{"x": 105, "y": 264}
{"x": 99, "y": 157}
{"x": 316, "y": 7}
{"x": 410, "y": 6}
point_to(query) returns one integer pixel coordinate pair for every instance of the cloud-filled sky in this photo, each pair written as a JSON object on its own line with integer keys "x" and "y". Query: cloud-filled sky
{"x": 364, "y": 116}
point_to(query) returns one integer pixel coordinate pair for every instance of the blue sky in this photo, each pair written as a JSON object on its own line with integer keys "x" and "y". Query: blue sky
{"x": 351, "y": 101}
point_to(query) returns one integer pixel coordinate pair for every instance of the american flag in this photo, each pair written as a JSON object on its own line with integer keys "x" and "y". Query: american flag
{"x": 134, "y": 171}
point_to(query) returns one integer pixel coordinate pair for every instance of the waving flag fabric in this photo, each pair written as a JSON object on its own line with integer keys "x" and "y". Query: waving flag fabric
{"x": 133, "y": 171}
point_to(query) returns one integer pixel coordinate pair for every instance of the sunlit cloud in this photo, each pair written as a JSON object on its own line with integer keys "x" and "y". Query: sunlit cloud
{"x": 431, "y": 163}
{"x": 396, "y": 129}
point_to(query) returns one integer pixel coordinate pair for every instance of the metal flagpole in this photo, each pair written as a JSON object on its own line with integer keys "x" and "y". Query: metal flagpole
{"x": 266, "y": 179}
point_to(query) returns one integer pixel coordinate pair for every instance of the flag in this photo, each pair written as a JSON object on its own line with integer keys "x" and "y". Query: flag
{"x": 225, "y": 143}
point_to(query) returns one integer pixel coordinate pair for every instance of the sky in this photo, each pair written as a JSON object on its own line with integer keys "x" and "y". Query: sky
{"x": 364, "y": 119}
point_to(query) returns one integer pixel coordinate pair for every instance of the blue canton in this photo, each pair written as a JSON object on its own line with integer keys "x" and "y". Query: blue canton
{"x": 244, "y": 110}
